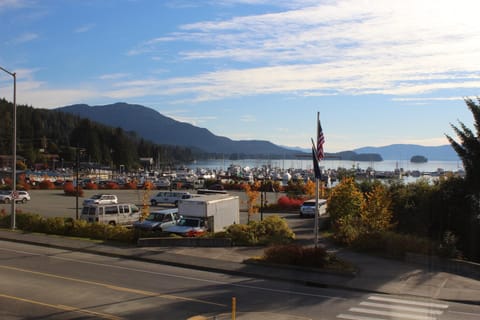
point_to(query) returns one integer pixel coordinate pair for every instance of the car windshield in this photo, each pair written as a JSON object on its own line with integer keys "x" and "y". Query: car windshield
{"x": 309, "y": 204}
{"x": 156, "y": 217}
{"x": 189, "y": 222}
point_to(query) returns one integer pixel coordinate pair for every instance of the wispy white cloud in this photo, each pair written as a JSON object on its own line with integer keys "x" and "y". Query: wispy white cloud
{"x": 113, "y": 76}
{"x": 183, "y": 116}
{"x": 41, "y": 95}
{"x": 342, "y": 47}
{"x": 12, "y": 4}
{"x": 426, "y": 99}
{"x": 85, "y": 28}
{"x": 25, "y": 37}
{"x": 248, "y": 118}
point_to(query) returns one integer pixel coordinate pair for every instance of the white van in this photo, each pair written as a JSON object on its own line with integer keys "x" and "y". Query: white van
{"x": 113, "y": 214}
{"x": 308, "y": 208}
{"x": 172, "y": 197}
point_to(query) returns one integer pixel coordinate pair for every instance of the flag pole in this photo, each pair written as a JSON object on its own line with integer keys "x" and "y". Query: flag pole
{"x": 317, "y": 185}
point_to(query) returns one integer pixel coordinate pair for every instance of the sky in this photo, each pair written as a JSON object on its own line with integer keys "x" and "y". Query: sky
{"x": 378, "y": 72}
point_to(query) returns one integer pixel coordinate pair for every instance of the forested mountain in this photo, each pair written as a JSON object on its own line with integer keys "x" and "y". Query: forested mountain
{"x": 160, "y": 129}
{"x": 42, "y": 133}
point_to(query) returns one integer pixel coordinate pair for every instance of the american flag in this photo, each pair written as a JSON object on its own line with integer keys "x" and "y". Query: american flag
{"x": 320, "y": 142}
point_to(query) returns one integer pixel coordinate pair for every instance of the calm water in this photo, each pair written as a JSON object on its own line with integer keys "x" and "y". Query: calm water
{"x": 386, "y": 165}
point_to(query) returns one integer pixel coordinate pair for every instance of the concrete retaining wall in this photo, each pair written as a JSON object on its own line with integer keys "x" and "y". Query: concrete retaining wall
{"x": 184, "y": 242}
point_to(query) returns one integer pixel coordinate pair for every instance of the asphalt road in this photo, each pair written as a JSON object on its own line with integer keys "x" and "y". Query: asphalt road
{"x": 47, "y": 283}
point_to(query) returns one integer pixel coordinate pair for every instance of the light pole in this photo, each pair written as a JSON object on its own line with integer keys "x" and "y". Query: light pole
{"x": 14, "y": 146}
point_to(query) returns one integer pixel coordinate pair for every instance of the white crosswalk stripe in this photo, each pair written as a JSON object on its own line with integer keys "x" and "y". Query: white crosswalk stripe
{"x": 386, "y": 308}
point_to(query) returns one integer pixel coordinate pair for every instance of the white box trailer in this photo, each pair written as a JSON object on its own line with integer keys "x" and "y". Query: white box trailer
{"x": 218, "y": 210}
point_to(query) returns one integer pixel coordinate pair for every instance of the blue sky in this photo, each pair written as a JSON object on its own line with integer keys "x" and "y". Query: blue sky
{"x": 379, "y": 72}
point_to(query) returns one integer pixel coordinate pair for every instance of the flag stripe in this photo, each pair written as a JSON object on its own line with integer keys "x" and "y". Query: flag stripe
{"x": 320, "y": 142}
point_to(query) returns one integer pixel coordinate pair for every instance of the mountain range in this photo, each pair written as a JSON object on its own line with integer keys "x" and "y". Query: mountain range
{"x": 151, "y": 125}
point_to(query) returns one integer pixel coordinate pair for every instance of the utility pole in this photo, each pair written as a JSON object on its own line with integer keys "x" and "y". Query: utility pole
{"x": 14, "y": 147}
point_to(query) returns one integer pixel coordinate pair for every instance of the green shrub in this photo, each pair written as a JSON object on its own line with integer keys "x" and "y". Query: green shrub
{"x": 393, "y": 244}
{"x": 241, "y": 234}
{"x": 69, "y": 227}
{"x": 272, "y": 230}
{"x": 294, "y": 254}
{"x": 55, "y": 225}
{"x": 29, "y": 222}
{"x": 448, "y": 246}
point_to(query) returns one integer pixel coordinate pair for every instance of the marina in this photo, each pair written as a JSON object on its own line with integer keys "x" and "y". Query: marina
{"x": 192, "y": 175}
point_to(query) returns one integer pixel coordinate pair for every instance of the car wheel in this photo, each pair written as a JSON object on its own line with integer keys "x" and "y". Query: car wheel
{"x": 7, "y": 200}
{"x": 24, "y": 200}
{"x": 112, "y": 223}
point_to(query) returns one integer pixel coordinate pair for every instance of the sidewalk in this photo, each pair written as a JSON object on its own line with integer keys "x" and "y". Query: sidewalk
{"x": 376, "y": 275}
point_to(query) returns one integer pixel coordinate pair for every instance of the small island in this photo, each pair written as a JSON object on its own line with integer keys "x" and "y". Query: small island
{"x": 418, "y": 159}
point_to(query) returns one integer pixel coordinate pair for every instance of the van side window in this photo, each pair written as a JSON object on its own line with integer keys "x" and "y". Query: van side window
{"x": 134, "y": 208}
{"x": 100, "y": 210}
{"x": 111, "y": 210}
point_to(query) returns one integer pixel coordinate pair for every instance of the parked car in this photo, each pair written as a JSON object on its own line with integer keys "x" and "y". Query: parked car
{"x": 158, "y": 220}
{"x": 308, "y": 208}
{"x": 216, "y": 186}
{"x": 101, "y": 199}
{"x": 188, "y": 227}
{"x": 172, "y": 197}
{"x": 7, "y": 196}
{"x": 163, "y": 183}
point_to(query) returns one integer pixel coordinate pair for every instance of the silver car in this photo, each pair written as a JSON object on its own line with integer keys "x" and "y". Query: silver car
{"x": 20, "y": 196}
{"x": 101, "y": 199}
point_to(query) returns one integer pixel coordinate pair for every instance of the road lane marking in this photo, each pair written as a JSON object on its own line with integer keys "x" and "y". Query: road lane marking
{"x": 394, "y": 307}
{"x": 355, "y": 317}
{"x": 401, "y": 315}
{"x": 417, "y": 303}
{"x": 401, "y": 308}
{"x": 63, "y": 307}
{"x": 114, "y": 287}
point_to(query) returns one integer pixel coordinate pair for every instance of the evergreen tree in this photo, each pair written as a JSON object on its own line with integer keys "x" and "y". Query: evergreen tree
{"x": 468, "y": 148}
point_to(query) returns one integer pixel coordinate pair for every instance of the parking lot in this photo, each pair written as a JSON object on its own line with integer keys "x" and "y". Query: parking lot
{"x": 54, "y": 203}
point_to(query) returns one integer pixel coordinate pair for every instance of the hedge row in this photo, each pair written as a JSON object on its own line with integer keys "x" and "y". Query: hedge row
{"x": 69, "y": 227}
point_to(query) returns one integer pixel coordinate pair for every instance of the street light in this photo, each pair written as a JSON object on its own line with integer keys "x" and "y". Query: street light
{"x": 14, "y": 145}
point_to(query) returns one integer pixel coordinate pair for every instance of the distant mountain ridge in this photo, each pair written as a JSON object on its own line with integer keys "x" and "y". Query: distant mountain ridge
{"x": 153, "y": 126}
